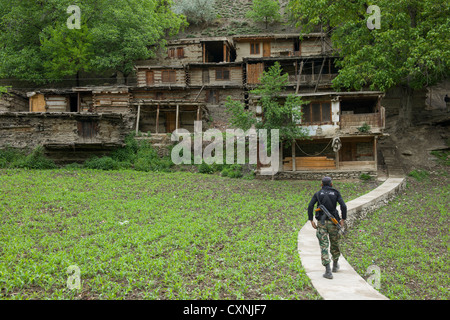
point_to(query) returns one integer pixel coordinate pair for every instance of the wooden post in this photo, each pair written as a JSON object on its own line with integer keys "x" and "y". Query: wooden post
{"x": 157, "y": 119}
{"x": 224, "y": 52}
{"x": 137, "y": 118}
{"x": 320, "y": 74}
{"x": 337, "y": 159}
{"x": 294, "y": 164}
{"x": 204, "y": 52}
{"x": 78, "y": 102}
{"x": 375, "y": 152}
{"x": 177, "y": 117}
{"x": 198, "y": 113}
{"x": 299, "y": 77}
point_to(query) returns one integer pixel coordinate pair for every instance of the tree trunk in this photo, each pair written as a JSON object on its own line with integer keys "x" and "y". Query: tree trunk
{"x": 406, "y": 108}
{"x": 78, "y": 78}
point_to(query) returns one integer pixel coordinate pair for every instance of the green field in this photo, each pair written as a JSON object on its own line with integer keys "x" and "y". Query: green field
{"x": 408, "y": 240}
{"x": 137, "y": 235}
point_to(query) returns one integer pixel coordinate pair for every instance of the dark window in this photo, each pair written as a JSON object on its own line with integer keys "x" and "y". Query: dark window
{"x": 317, "y": 112}
{"x": 254, "y": 48}
{"x": 180, "y": 53}
{"x": 87, "y": 129}
{"x": 205, "y": 76}
{"x": 168, "y": 76}
{"x": 222, "y": 74}
{"x": 150, "y": 78}
{"x": 171, "y": 53}
{"x": 212, "y": 96}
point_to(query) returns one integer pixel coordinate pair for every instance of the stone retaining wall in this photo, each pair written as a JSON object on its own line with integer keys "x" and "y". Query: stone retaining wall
{"x": 318, "y": 175}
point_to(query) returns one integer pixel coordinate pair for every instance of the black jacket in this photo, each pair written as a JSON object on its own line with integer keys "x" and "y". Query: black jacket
{"x": 334, "y": 197}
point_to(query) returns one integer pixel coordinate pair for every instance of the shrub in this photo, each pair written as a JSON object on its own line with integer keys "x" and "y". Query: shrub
{"x": 365, "y": 177}
{"x": 205, "y": 168}
{"x": 364, "y": 128}
{"x": 9, "y": 156}
{"x": 232, "y": 171}
{"x": 419, "y": 175}
{"x": 103, "y": 163}
{"x": 443, "y": 157}
{"x": 35, "y": 160}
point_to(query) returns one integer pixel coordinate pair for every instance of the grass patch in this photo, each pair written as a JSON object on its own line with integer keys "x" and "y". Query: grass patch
{"x": 153, "y": 235}
{"x": 409, "y": 240}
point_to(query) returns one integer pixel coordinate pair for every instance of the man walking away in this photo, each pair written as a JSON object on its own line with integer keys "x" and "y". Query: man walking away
{"x": 327, "y": 232}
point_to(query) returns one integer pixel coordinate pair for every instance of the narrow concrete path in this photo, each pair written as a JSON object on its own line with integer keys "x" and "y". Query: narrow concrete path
{"x": 346, "y": 284}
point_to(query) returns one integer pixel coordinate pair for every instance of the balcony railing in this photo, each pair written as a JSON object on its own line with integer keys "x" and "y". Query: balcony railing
{"x": 374, "y": 120}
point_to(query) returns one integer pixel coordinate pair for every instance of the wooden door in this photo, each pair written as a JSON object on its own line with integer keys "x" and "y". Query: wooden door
{"x": 266, "y": 49}
{"x": 347, "y": 152}
{"x": 170, "y": 122}
{"x": 254, "y": 72}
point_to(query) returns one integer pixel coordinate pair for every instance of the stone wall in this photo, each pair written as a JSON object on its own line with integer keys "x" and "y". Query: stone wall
{"x": 318, "y": 175}
{"x": 13, "y": 102}
{"x": 64, "y": 131}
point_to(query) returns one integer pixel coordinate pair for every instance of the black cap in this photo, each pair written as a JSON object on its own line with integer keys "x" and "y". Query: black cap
{"x": 326, "y": 181}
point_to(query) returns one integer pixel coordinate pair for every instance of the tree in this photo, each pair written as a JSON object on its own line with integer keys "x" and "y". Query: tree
{"x": 278, "y": 114}
{"x": 36, "y": 44}
{"x": 411, "y": 49}
{"x": 266, "y": 11}
{"x": 196, "y": 11}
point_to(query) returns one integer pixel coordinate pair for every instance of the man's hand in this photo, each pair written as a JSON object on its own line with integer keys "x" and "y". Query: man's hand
{"x": 313, "y": 224}
{"x": 342, "y": 223}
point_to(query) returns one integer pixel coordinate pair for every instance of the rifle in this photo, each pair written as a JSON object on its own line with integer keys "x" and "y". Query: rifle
{"x": 321, "y": 207}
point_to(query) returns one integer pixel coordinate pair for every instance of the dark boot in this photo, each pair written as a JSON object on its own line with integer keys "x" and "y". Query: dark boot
{"x": 328, "y": 273}
{"x": 335, "y": 266}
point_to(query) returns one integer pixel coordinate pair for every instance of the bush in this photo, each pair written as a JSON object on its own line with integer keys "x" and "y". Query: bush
{"x": 35, "y": 160}
{"x": 196, "y": 11}
{"x": 10, "y": 156}
{"x": 419, "y": 175}
{"x": 103, "y": 163}
{"x": 232, "y": 171}
{"x": 205, "y": 168}
{"x": 365, "y": 177}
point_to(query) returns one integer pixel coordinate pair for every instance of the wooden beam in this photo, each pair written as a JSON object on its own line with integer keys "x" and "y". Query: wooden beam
{"x": 177, "y": 117}
{"x": 294, "y": 160}
{"x": 320, "y": 74}
{"x": 157, "y": 119}
{"x": 224, "y": 52}
{"x": 137, "y": 118}
{"x": 299, "y": 77}
{"x": 198, "y": 113}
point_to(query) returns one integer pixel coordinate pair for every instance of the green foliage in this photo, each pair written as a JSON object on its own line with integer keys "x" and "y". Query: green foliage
{"x": 196, "y": 11}
{"x": 103, "y": 163}
{"x": 443, "y": 157}
{"x": 232, "y": 171}
{"x": 205, "y": 168}
{"x": 282, "y": 116}
{"x": 38, "y": 46}
{"x": 69, "y": 51}
{"x": 35, "y": 160}
{"x": 410, "y": 49}
{"x": 364, "y": 128}
{"x": 419, "y": 175}
{"x": 266, "y": 11}
{"x": 365, "y": 177}
{"x": 4, "y": 90}
{"x": 14, "y": 158}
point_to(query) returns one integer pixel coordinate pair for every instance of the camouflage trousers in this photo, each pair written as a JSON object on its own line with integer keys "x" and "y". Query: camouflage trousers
{"x": 328, "y": 236}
